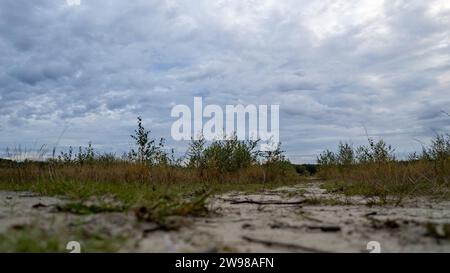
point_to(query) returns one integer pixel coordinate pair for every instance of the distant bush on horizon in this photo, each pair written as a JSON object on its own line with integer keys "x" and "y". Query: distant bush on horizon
{"x": 373, "y": 168}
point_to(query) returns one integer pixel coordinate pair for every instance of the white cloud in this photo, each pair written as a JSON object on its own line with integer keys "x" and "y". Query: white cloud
{"x": 334, "y": 66}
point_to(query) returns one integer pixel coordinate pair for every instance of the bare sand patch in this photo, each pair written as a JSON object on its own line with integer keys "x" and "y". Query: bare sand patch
{"x": 302, "y": 218}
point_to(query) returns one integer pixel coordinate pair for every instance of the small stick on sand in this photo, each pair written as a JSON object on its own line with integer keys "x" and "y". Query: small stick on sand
{"x": 234, "y": 202}
{"x": 280, "y": 244}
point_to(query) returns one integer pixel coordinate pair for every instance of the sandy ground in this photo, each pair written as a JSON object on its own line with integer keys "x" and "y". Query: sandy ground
{"x": 280, "y": 220}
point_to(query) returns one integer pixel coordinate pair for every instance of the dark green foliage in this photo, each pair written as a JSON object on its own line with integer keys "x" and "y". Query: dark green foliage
{"x": 306, "y": 169}
{"x": 272, "y": 156}
{"x": 439, "y": 154}
{"x": 374, "y": 152}
{"x": 148, "y": 150}
{"x": 439, "y": 150}
{"x": 230, "y": 155}
{"x": 196, "y": 153}
{"x": 86, "y": 155}
{"x": 5, "y": 163}
{"x": 327, "y": 158}
{"x": 346, "y": 154}
{"x": 83, "y": 209}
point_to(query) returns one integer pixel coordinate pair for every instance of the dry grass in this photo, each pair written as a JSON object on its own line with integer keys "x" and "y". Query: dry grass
{"x": 222, "y": 162}
{"x": 415, "y": 178}
{"x": 373, "y": 170}
{"x": 129, "y": 172}
{"x": 137, "y": 184}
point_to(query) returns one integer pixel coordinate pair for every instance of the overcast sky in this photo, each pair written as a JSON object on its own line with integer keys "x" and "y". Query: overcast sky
{"x": 334, "y": 67}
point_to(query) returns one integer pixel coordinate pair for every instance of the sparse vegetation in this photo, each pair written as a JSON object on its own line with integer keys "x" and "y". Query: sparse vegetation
{"x": 147, "y": 174}
{"x": 35, "y": 239}
{"x": 148, "y": 150}
{"x": 440, "y": 232}
{"x": 158, "y": 187}
{"x": 227, "y": 161}
{"x": 161, "y": 210}
{"x": 148, "y": 180}
{"x": 373, "y": 170}
{"x": 83, "y": 209}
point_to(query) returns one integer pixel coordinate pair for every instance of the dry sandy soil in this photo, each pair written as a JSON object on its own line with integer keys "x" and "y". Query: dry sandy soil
{"x": 303, "y": 218}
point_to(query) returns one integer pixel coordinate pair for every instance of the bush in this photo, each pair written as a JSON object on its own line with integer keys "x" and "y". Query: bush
{"x": 306, "y": 169}
{"x": 375, "y": 152}
{"x": 375, "y": 170}
{"x": 222, "y": 155}
{"x": 148, "y": 151}
{"x": 230, "y": 160}
{"x": 439, "y": 150}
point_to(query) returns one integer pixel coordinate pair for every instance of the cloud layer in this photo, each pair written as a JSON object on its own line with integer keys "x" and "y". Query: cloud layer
{"x": 334, "y": 66}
